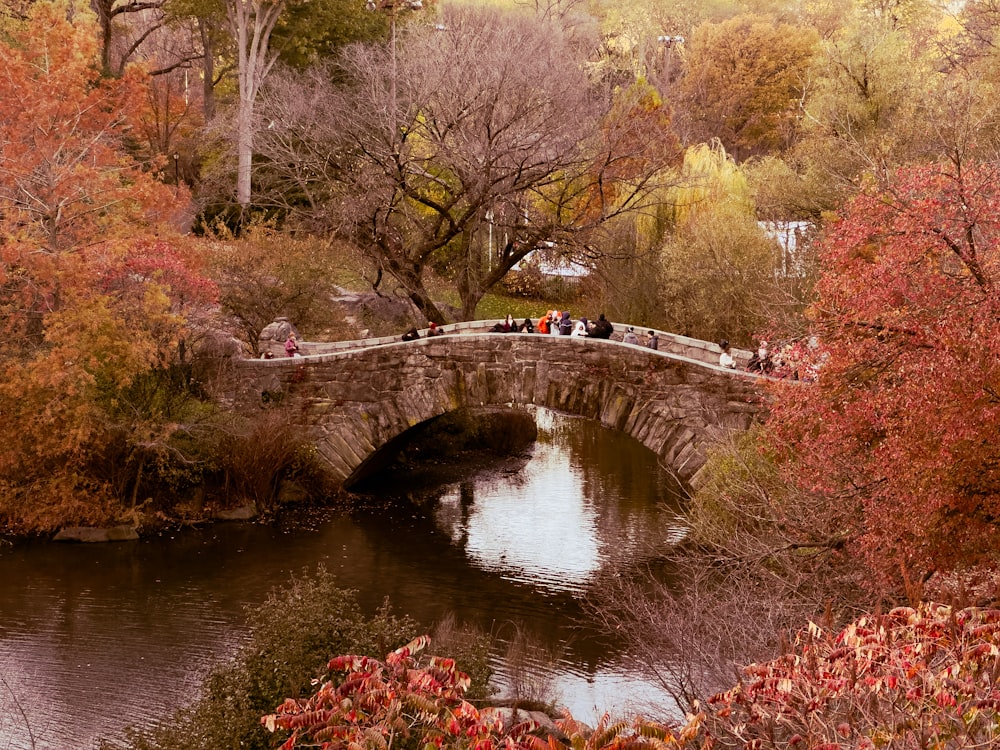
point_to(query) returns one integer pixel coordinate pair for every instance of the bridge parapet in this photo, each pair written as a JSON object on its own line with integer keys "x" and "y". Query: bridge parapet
{"x": 672, "y": 343}
{"x": 354, "y": 401}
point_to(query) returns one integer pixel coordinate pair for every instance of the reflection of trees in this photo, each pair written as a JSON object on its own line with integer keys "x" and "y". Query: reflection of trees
{"x": 634, "y": 498}
{"x": 631, "y": 500}
{"x": 426, "y": 576}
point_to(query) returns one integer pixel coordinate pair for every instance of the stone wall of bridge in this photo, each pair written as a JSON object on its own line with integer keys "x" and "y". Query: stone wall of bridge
{"x": 353, "y": 402}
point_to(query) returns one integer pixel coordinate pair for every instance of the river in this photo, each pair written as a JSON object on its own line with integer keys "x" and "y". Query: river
{"x": 94, "y": 638}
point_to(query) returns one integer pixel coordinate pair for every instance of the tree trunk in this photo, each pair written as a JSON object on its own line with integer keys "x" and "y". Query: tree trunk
{"x": 426, "y": 305}
{"x": 470, "y": 302}
{"x": 251, "y": 22}
{"x": 244, "y": 151}
{"x": 208, "y": 64}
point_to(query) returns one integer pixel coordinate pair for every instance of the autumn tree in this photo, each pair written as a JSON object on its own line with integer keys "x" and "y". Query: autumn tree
{"x": 93, "y": 297}
{"x": 744, "y": 82}
{"x": 721, "y": 275}
{"x": 903, "y": 415}
{"x": 863, "y": 114}
{"x": 493, "y": 134}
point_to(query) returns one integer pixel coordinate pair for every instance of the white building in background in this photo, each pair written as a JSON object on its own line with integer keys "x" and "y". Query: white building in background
{"x": 550, "y": 264}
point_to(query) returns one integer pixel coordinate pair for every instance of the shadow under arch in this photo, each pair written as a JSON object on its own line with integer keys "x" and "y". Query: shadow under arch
{"x": 495, "y": 432}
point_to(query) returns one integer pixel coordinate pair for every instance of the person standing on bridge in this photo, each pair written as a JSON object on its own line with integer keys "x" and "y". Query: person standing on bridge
{"x": 653, "y": 342}
{"x": 565, "y": 324}
{"x": 602, "y": 329}
{"x": 630, "y": 337}
{"x": 291, "y": 345}
{"x": 725, "y": 357}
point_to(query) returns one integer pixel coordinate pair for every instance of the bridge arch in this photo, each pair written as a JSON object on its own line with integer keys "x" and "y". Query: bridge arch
{"x": 354, "y": 402}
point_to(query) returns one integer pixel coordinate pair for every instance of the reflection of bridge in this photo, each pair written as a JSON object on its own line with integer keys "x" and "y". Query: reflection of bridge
{"x": 355, "y": 397}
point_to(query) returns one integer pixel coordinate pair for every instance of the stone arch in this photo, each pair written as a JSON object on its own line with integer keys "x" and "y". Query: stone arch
{"x": 354, "y": 402}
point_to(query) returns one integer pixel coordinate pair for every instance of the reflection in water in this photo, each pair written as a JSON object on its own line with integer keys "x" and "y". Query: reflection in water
{"x": 581, "y": 507}
{"x": 96, "y": 637}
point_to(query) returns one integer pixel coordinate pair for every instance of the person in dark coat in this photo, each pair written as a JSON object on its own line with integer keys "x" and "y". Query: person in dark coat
{"x": 601, "y": 329}
{"x": 565, "y": 324}
{"x": 411, "y": 335}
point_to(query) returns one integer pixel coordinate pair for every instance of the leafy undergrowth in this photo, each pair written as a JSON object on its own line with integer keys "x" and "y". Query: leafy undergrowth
{"x": 911, "y": 678}
{"x": 411, "y": 702}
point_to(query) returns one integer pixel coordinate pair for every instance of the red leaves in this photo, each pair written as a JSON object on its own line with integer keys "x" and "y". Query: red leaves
{"x": 885, "y": 681}
{"x": 405, "y": 698}
{"x": 900, "y": 427}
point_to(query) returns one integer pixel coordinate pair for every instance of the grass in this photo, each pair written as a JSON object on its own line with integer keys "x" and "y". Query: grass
{"x": 350, "y": 270}
{"x": 495, "y": 305}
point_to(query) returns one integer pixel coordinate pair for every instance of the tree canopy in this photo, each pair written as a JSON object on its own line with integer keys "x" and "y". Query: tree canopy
{"x": 93, "y": 295}
{"x": 905, "y": 410}
{"x": 481, "y": 140}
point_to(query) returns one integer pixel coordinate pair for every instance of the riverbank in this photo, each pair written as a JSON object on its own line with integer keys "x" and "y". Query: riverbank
{"x": 460, "y": 445}
{"x": 97, "y": 637}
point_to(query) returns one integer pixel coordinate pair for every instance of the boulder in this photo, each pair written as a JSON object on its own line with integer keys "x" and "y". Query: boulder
{"x": 272, "y": 336}
{"x": 88, "y": 534}
{"x": 244, "y": 513}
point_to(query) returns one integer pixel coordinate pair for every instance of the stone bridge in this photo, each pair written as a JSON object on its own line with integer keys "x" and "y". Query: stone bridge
{"x": 354, "y": 398}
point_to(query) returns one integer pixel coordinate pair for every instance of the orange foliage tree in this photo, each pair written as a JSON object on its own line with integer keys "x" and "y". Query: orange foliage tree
{"x": 93, "y": 292}
{"x": 900, "y": 428}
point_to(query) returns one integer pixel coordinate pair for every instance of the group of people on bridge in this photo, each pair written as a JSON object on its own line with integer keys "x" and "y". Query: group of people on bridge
{"x": 791, "y": 361}
{"x": 556, "y": 322}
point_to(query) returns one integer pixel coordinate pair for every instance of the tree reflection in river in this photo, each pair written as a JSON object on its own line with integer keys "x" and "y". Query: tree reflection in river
{"x": 96, "y": 637}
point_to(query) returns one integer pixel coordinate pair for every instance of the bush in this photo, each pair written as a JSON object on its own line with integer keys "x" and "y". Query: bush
{"x": 255, "y": 454}
{"x": 411, "y": 701}
{"x": 912, "y": 678}
{"x": 264, "y": 275}
{"x": 757, "y": 559}
{"x": 293, "y": 634}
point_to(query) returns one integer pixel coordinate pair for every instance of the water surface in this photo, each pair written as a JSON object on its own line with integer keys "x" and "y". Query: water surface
{"x": 97, "y": 637}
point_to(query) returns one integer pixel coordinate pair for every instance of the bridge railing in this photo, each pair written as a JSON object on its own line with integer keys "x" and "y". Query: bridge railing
{"x": 670, "y": 343}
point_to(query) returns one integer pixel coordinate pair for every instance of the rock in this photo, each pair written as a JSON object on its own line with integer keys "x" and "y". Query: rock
{"x": 243, "y": 513}
{"x": 273, "y": 335}
{"x": 88, "y": 534}
{"x": 291, "y": 493}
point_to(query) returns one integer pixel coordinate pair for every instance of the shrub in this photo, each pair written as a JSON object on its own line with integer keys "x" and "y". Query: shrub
{"x": 264, "y": 275}
{"x": 256, "y": 453}
{"x": 410, "y": 701}
{"x": 912, "y": 678}
{"x": 293, "y": 634}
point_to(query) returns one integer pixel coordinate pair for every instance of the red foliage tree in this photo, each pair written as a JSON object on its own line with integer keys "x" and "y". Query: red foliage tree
{"x": 900, "y": 429}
